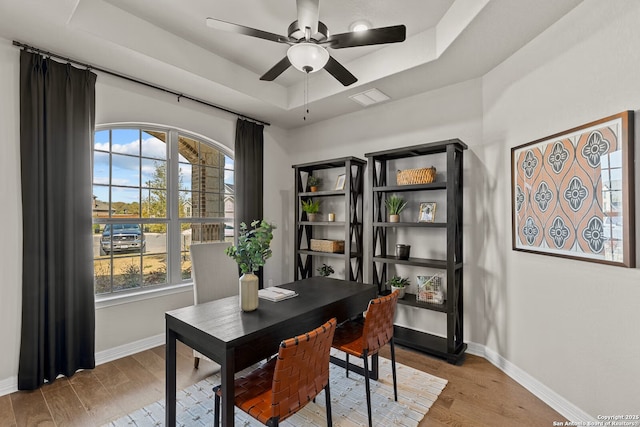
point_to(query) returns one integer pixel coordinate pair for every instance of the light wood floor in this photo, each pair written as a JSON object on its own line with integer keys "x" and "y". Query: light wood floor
{"x": 478, "y": 394}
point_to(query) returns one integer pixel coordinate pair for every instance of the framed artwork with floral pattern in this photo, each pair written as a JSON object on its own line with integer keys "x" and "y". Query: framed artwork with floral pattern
{"x": 572, "y": 193}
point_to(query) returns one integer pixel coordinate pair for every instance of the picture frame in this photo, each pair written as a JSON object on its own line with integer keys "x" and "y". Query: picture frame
{"x": 427, "y": 212}
{"x": 340, "y": 182}
{"x": 572, "y": 193}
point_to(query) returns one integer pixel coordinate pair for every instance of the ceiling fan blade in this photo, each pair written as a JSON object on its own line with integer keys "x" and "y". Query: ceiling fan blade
{"x": 276, "y": 70}
{"x": 382, "y": 35}
{"x": 341, "y": 74}
{"x": 247, "y": 31}
{"x": 308, "y": 14}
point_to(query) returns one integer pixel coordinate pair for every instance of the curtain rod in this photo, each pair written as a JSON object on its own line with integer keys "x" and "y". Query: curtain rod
{"x": 134, "y": 80}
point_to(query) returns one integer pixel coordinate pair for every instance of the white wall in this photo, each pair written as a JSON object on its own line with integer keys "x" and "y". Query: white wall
{"x": 11, "y": 212}
{"x": 572, "y": 325}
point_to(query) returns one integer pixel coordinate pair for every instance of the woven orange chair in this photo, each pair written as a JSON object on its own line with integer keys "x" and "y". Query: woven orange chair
{"x": 364, "y": 339}
{"x": 285, "y": 384}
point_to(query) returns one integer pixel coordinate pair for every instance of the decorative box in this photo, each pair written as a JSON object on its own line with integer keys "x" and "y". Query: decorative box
{"x": 430, "y": 289}
{"x": 333, "y": 246}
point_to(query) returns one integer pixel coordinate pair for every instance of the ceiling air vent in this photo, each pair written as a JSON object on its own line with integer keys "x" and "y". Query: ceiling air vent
{"x": 369, "y": 97}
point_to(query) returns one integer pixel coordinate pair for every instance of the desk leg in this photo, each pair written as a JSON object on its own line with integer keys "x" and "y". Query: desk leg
{"x": 170, "y": 381}
{"x": 227, "y": 371}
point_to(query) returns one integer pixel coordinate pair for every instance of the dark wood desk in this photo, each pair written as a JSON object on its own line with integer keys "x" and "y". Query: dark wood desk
{"x": 236, "y": 340}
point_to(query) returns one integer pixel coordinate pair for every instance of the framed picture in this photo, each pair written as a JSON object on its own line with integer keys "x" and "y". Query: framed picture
{"x": 572, "y": 193}
{"x": 340, "y": 182}
{"x": 427, "y": 212}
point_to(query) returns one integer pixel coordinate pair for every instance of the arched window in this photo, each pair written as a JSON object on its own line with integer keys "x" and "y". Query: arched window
{"x": 155, "y": 192}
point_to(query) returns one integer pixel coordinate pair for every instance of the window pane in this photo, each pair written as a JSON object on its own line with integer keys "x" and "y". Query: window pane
{"x": 126, "y": 141}
{"x": 185, "y": 208}
{"x": 101, "y": 140}
{"x": 101, "y": 168}
{"x": 155, "y": 254}
{"x": 126, "y": 272}
{"x": 100, "y": 201}
{"x": 207, "y": 232}
{"x": 229, "y": 177}
{"x": 125, "y": 170}
{"x": 185, "y": 176}
{"x": 188, "y": 149}
{"x": 102, "y": 273}
{"x": 154, "y": 173}
{"x": 154, "y": 144}
{"x": 125, "y": 202}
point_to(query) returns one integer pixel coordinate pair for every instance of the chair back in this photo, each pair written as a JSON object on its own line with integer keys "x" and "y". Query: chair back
{"x": 215, "y": 275}
{"x": 378, "y": 324}
{"x": 302, "y": 369}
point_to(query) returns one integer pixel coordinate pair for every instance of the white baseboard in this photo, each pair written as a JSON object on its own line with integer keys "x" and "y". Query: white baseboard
{"x": 129, "y": 349}
{"x": 544, "y": 393}
{"x": 561, "y": 405}
{"x": 10, "y": 385}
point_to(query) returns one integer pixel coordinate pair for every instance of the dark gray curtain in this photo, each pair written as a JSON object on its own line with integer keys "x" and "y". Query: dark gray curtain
{"x": 249, "y": 153}
{"x": 57, "y": 115}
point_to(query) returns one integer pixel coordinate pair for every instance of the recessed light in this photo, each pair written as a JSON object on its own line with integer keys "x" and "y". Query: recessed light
{"x": 360, "y": 25}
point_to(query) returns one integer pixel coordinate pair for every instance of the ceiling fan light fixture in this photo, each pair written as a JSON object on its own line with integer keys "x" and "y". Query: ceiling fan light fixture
{"x": 359, "y": 26}
{"x": 308, "y": 57}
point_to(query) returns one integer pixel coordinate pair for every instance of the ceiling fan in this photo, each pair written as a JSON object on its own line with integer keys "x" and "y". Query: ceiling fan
{"x": 309, "y": 39}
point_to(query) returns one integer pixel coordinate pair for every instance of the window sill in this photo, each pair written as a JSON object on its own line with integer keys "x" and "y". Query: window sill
{"x": 105, "y": 301}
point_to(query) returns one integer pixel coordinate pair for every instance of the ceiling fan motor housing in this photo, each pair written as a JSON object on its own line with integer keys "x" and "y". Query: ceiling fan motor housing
{"x": 296, "y": 33}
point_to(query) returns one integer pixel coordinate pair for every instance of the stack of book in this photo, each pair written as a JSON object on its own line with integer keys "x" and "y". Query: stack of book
{"x": 276, "y": 294}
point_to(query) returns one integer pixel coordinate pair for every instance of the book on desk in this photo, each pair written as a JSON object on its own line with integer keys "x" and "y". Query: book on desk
{"x": 276, "y": 294}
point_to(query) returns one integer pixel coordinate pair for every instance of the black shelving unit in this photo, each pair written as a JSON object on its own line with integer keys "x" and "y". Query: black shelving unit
{"x": 452, "y": 347}
{"x": 352, "y": 225}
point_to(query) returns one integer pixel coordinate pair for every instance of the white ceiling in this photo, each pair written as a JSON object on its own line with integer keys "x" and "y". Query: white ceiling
{"x": 166, "y": 42}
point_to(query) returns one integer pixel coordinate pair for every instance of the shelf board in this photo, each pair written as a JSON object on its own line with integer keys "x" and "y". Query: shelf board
{"x": 417, "y": 150}
{"x": 420, "y": 262}
{"x": 428, "y": 343}
{"x": 410, "y": 299}
{"x": 440, "y": 185}
{"x": 411, "y": 224}
{"x": 327, "y": 254}
{"x": 340, "y": 223}
{"x": 323, "y": 193}
{"x": 328, "y": 164}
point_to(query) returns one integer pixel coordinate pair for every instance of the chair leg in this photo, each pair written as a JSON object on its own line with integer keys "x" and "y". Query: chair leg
{"x": 327, "y": 395}
{"x": 196, "y": 362}
{"x": 393, "y": 369}
{"x": 347, "y": 364}
{"x": 216, "y": 407}
{"x": 365, "y": 359}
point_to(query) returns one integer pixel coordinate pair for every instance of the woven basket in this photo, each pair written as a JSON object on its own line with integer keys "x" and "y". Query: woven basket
{"x": 416, "y": 176}
{"x": 332, "y": 246}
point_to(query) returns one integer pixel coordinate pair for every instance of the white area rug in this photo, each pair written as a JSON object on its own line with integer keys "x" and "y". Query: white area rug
{"x": 416, "y": 393}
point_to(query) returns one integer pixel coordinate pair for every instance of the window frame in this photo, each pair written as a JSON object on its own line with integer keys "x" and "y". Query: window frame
{"x": 174, "y": 281}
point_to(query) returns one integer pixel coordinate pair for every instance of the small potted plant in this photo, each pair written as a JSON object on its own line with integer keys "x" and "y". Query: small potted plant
{"x": 312, "y": 208}
{"x": 398, "y": 283}
{"x": 325, "y": 270}
{"x": 395, "y": 205}
{"x": 251, "y": 253}
{"x": 313, "y": 182}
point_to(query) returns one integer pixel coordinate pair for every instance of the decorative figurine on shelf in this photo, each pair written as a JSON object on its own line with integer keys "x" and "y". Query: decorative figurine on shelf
{"x": 251, "y": 253}
{"x": 398, "y": 283}
{"x": 395, "y": 205}
{"x": 325, "y": 270}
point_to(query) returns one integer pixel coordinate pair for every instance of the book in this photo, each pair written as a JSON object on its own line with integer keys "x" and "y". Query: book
{"x": 276, "y": 294}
